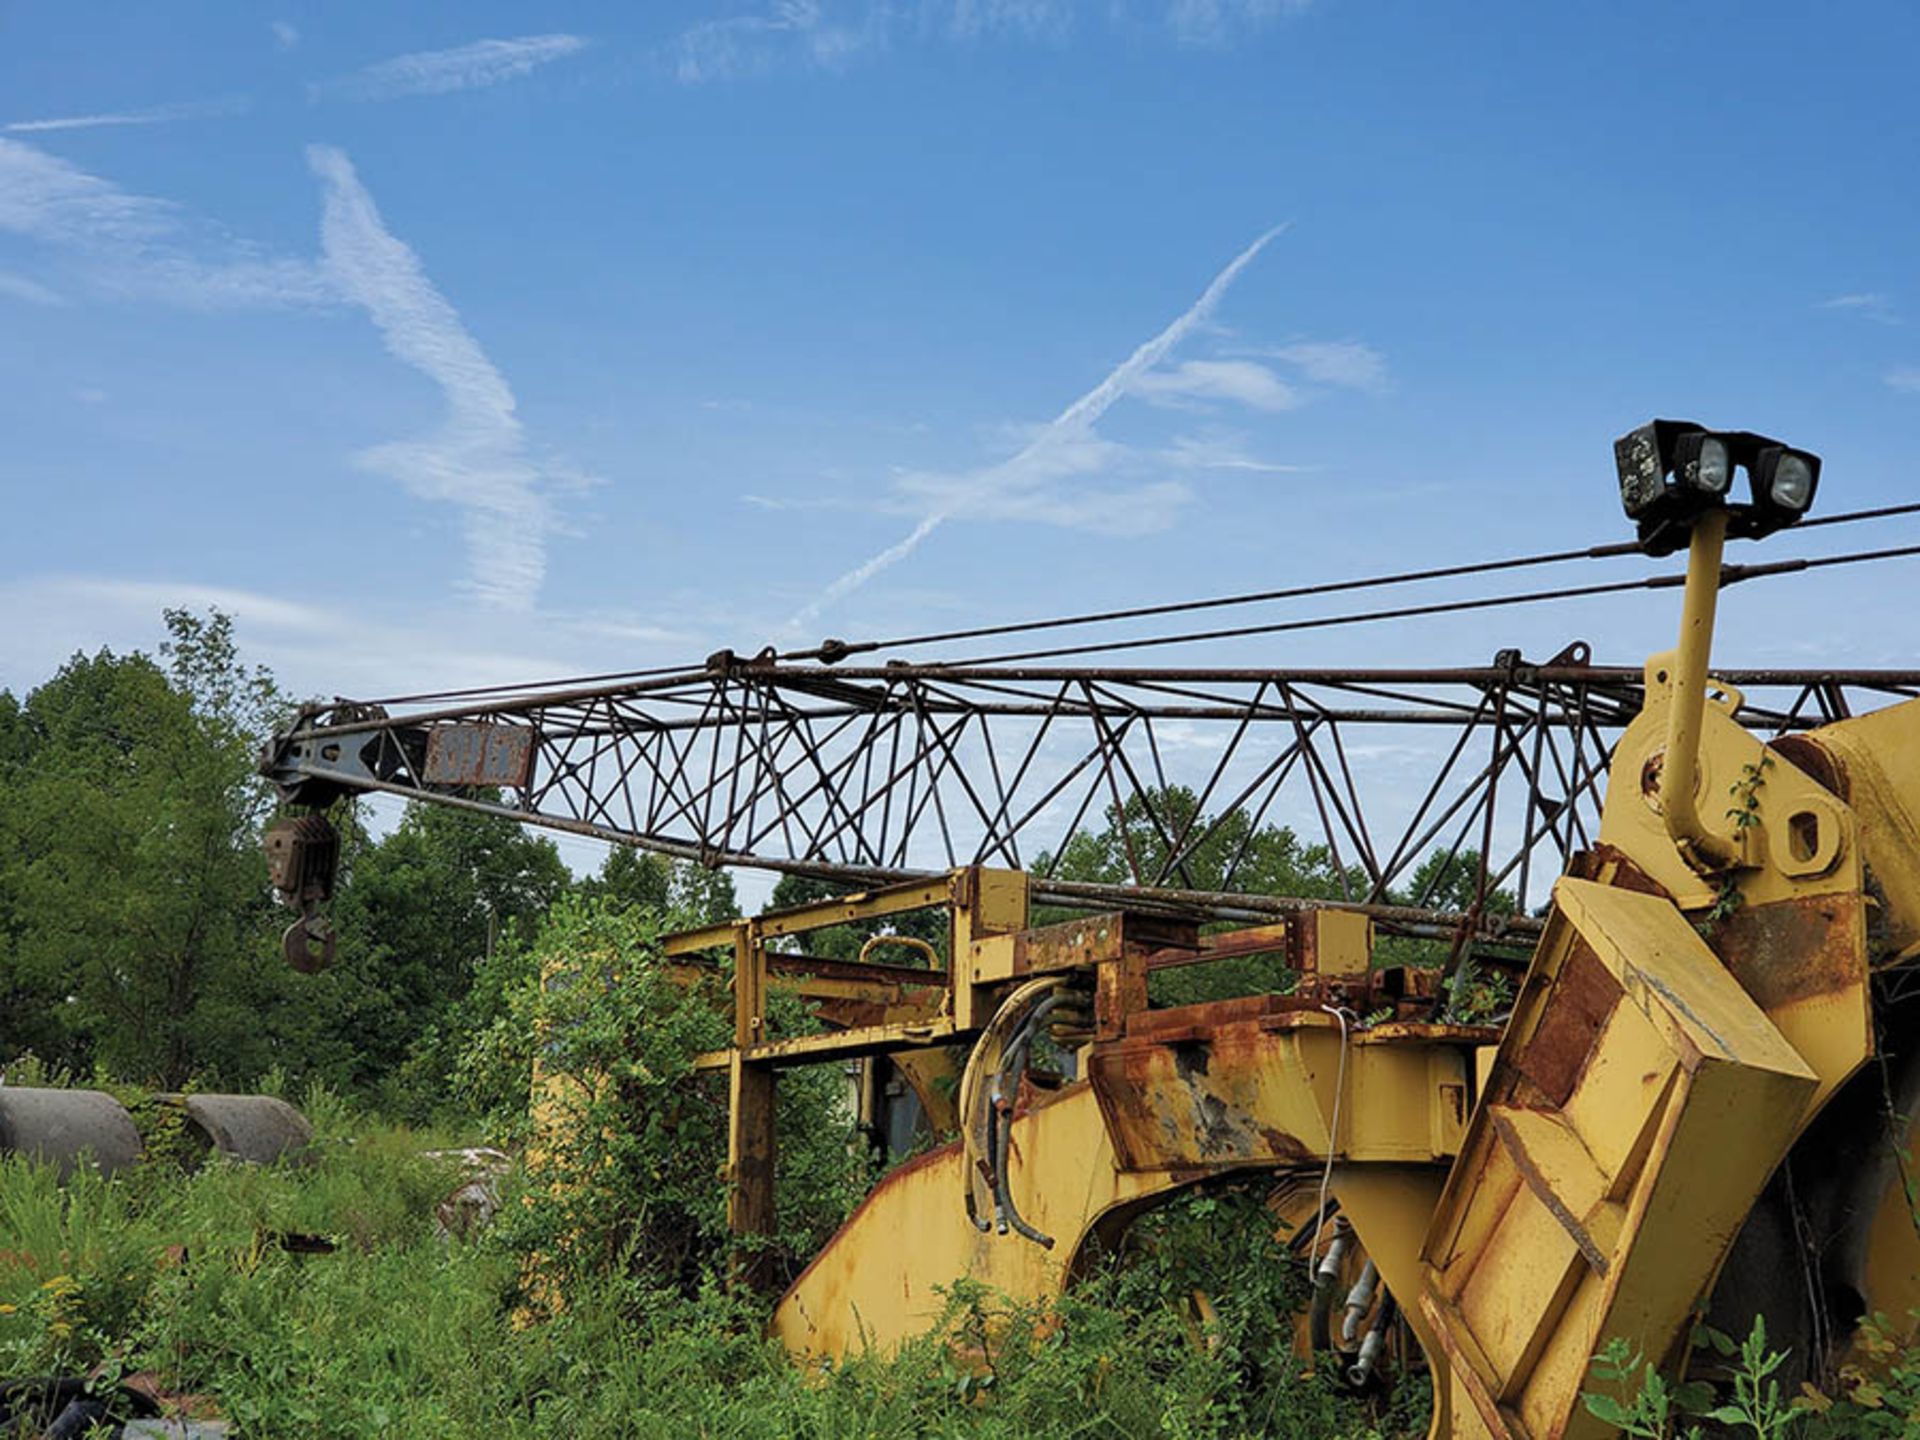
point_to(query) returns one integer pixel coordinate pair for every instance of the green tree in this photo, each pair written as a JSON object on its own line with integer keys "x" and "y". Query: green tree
{"x": 419, "y": 912}
{"x": 640, "y": 880}
{"x": 844, "y": 942}
{"x": 136, "y": 905}
{"x": 1233, "y": 855}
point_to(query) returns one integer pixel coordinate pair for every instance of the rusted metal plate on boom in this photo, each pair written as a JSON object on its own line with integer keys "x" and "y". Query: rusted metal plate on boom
{"x": 479, "y": 753}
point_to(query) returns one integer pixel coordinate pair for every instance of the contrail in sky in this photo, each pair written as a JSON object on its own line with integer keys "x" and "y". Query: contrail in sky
{"x": 478, "y": 458}
{"x": 1046, "y": 455}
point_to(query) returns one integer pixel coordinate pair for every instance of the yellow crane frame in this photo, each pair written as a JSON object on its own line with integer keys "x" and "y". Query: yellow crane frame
{"x": 1700, "y": 992}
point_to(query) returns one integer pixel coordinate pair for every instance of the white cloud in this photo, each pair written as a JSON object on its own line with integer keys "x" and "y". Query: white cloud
{"x": 150, "y": 597}
{"x": 285, "y": 34}
{"x": 136, "y": 246}
{"x": 466, "y": 67}
{"x": 1346, "y": 363}
{"x": 478, "y": 460}
{"x": 1242, "y": 382}
{"x": 1046, "y": 19}
{"x": 158, "y": 115}
{"x": 1210, "y": 21}
{"x": 789, "y": 31}
{"x": 1025, "y": 486}
{"x": 829, "y": 34}
{"x": 19, "y": 287}
{"x": 314, "y": 649}
{"x": 1221, "y": 452}
{"x": 1905, "y": 377}
{"x": 1871, "y": 305}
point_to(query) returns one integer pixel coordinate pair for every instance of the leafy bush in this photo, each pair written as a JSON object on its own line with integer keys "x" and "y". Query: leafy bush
{"x": 625, "y": 1142}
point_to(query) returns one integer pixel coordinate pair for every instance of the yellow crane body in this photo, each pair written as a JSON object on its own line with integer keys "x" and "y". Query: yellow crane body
{"x": 1702, "y": 992}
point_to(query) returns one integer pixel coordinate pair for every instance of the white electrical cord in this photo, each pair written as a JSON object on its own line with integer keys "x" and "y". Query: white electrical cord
{"x": 1339, "y": 1013}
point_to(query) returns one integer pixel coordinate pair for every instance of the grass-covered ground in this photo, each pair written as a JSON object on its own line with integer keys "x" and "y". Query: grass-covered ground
{"x": 400, "y": 1331}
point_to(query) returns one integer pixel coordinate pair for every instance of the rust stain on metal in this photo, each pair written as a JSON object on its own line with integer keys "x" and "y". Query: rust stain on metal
{"x": 479, "y": 753}
{"x": 1814, "y": 760}
{"x": 1543, "y": 1191}
{"x": 1583, "y": 1001}
{"x": 1610, "y": 865}
{"x": 1794, "y": 949}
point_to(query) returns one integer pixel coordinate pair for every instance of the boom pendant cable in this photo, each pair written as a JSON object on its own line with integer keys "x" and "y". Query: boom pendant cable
{"x": 834, "y": 650}
{"x": 1730, "y": 575}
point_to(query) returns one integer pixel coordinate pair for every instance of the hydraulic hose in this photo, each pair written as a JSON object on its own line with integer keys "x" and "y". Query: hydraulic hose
{"x": 993, "y": 1042}
{"x": 1326, "y": 1282}
{"x": 1368, "y": 1360}
{"x": 1001, "y": 1097}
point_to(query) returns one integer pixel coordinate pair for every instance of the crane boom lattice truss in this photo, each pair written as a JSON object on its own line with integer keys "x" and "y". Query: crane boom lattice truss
{"x": 867, "y": 775}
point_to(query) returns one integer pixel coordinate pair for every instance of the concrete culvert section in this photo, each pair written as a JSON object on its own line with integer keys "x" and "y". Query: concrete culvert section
{"x": 254, "y": 1129}
{"x": 63, "y": 1128}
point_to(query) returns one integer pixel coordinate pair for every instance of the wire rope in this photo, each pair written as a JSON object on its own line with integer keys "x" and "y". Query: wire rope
{"x": 835, "y": 650}
{"x": 1730, "y": 575}
{"x": 832, "y": 651}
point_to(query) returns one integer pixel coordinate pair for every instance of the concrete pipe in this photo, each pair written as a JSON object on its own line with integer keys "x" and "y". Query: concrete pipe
{"x": 63, "y": 1127}
{"x": 254, "y": 1129}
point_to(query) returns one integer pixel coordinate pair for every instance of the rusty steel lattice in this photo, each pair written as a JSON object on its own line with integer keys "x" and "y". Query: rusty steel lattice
{"x": 872, "y": 774}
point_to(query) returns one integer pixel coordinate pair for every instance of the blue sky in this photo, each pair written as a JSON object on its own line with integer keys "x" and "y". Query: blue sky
{"x": 460, "y": 344}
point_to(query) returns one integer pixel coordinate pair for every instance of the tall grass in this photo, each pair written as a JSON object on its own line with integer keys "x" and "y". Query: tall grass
{"x": 400, "y": 1331}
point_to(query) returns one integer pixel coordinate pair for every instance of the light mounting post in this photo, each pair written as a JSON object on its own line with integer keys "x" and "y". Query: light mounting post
{"x": 1676, "y": 485}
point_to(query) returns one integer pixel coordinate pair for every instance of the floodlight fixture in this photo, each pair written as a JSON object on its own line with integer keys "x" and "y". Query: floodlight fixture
{"x": 1674, "y": 471}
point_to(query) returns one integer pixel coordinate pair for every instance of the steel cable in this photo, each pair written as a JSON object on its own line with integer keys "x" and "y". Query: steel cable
{"x": 836, "y": 650}
{"x": 1730, "y": 575}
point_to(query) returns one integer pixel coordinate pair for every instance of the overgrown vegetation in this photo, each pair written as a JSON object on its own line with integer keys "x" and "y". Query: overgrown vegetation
{"x": 402, "y": 1333}
{"x": 1879, "y": 1392}
{"x": 138, "y": 948}
{"x": 600, "y": 1304}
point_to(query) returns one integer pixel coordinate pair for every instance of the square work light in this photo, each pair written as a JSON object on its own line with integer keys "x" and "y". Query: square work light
{"x": 1673, "y": 471}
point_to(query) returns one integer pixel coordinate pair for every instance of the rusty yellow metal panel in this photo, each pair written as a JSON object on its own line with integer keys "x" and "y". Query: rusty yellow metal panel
{"x": 1789, "y": 803}
{"x": 1342, "y": 942}
{"x": 1072, "y": 945}
{"x": 1893, "y": 1242}
{"x": 1262, "y": 1091}
{"x": 994, "y": 902}
{"x": 1064, "y": 1177}
{"x": 1874, "y": 762}
{"x": 1637, "y": 1105}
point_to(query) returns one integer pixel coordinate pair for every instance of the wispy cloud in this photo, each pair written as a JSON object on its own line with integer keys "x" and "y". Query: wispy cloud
{"x": 789, "y": 31}
{"x": 478, "y": 460}
{"x": 1905, "y": 378}
{"x": 1869, "y": 305}
{"x": 1243, "y": 382}
{"x": 1221, "y": 452}
{"x": 157, "y": 115}
{"x": 285, "y": 34}
{"x": 1064, "y": 449}
{"x": 1346, "y": 363}
{"x": 19, "y": 287}
{"x": 137, "y": 246}
{"x": 315, "y": 648}
{"x": 1206, "y": 22}
{"x": 830, "y": 34}
{"x": 465, "y": 67}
